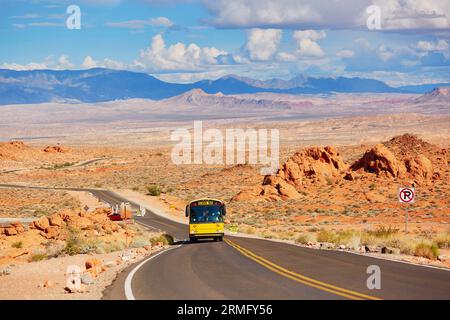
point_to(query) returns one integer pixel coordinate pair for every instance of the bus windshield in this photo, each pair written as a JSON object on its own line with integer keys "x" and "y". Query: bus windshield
{"x": 202, "y": 214}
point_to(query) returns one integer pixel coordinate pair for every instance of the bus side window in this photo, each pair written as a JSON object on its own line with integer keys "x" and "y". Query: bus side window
{"x": 187, "y": 211}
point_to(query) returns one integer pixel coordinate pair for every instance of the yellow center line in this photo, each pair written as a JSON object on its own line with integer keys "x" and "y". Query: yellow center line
{"x": 301, "y": 278}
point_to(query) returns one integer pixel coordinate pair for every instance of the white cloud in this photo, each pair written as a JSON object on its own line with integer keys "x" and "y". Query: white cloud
{"x": 140, "y": 24}
{"x": 323, "y": 14}
{"x": 414, "y": 14}
{"x": 23, "y": 67}
{"x": 61, "y": 63}
{"x": 286, "y": 57}
{"x": 385, "y": 53}
{"x": 440, "y": 45}
{"x": 345, "y": 53}
{"x": 64, "y": 63}
{"x": 89, "y": 63}
{"x": 262, "y": 43}
{"x": 178, "y": 56}
{"x": 192, "y": 76}
{"x": 307, "y": 45}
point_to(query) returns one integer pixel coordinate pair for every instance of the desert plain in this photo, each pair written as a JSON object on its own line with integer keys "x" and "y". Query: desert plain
{"x": 342, "y": 160}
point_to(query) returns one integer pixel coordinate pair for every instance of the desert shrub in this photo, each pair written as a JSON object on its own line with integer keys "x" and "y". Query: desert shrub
{"x": 383, "y": 232}
{"x": 405, "y": 244}
{"x": 427, "y": 250}
{"x": 75, "y": 245}
{"x": 164, "y": 238}
{"x": 53, "y": 248}
{"x": 153, "y": 190}
{"x": 17, "y": 244}
{"x": 304, "y": 238}
{"x": 443, "y": 240}
{"x": 112, "y": 247}
{"x": 38, "y": 257}
{"x": 326, "y": 236}
{"x": 139, "y": 243}
{"x": 249, "y": 230}
{"x": 63, "y": 165}
{"x": 267, "y": 235}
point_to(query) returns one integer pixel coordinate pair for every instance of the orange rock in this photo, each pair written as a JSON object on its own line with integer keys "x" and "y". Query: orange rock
{"x": 420, "y": 167}
{"x": 248, "y": 194}
{"x": 19, "y": 227}
{"x": 10, "y": 231}
{"x": 42, "y": 223}
{"x": 55, "y": 149}
{"x": 78, "y": 222}
{"x": 52, "y": 232}
{"x": 381, "y": 161}
{"x": 56, "y": 220}
{"x": 93, "y": 263}
{"x": 287, "y": 190}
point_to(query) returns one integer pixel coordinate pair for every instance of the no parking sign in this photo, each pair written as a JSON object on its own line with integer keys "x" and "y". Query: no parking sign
{"x": 406, "y": 195}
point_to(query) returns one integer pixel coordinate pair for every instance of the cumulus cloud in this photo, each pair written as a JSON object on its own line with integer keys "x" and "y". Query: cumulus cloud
{"x": 385, "y": 53}
{"x": 64, "y": 63}
{"x": 323, "y": 14}
{"x": 307, "y": 45}
{"x": 23, "y": 67}
{"x": 440, "y": 45}
{"x": 61, "y": 63}
{"x": 262, "y": 43}
{"x": 179, "y": 56}
{"x": 89, "y": 63}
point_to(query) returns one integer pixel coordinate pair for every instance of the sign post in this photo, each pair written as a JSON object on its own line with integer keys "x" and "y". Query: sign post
{"x": 406, "y": 195}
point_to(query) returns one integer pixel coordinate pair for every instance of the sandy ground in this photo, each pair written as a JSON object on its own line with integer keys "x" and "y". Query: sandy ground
{"x": 27, "y": 281}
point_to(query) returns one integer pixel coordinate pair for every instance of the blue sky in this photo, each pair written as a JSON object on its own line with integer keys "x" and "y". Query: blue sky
{"x": 189, "y": 40}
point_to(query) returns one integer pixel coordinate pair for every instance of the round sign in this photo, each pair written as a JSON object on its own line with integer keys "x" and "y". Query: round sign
{"x": 406, "y": 195}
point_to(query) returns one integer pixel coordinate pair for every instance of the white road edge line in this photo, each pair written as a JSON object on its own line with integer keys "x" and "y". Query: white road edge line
{"x": 128, "y": 291}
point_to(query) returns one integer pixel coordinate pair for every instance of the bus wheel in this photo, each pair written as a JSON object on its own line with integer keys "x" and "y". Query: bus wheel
{"x": 220, "y": 238}
{"x": 192, "y": 239}
{"x": 216, "y": 239}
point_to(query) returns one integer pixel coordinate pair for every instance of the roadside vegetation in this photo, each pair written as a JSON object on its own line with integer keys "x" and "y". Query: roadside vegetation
{"x": 384, "y": 239}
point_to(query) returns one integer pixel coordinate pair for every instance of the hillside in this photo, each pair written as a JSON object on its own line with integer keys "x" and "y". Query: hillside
{"x": 99, "y": 85}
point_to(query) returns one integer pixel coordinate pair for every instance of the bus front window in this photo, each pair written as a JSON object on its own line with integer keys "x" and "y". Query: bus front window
{"x": 206, "y": 214}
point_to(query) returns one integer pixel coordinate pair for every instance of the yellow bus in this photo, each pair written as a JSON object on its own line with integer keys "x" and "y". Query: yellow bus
{"x": 206, "y": 219}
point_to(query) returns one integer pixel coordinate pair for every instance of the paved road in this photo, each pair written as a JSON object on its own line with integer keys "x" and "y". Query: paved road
{"x": 243, "y": 268}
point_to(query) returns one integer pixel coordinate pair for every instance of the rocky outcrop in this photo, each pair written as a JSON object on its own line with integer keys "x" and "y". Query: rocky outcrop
{"x": 404, "y": 157}
{"x": 312, "y": 165}
{"x": 381, "y": 161}
{"x": 10, "y": 150}
{"x": 13, "y": 229}
{"x": 420, "y": 167}
{"x": 55, "y": 149}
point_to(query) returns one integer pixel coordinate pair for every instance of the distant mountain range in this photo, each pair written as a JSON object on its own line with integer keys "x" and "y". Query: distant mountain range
{"x": 97, "y": 85}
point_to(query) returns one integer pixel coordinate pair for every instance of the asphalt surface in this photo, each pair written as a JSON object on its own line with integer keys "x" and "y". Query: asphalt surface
{"x": 245, "y": 268}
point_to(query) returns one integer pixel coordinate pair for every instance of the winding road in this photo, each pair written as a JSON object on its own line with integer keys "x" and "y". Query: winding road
{"x": 248, "y": 268}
